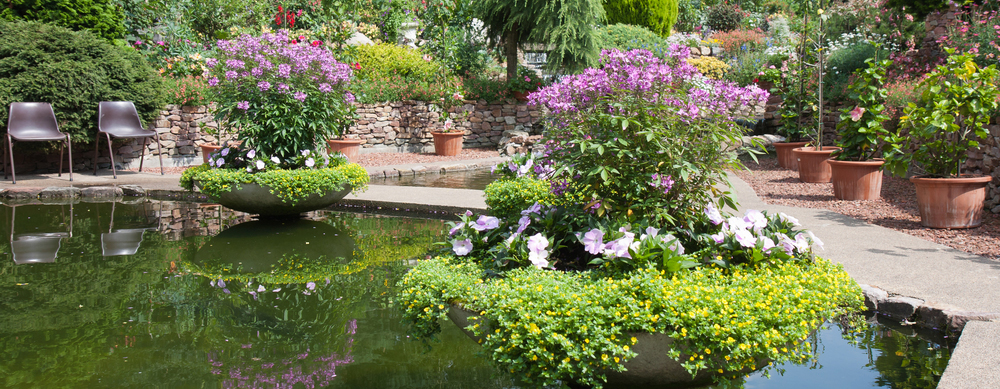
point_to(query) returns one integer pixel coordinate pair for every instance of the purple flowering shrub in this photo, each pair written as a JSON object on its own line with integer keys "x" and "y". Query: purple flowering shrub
{"x": 279, "y": 94}
{"x": 642, "y": 135}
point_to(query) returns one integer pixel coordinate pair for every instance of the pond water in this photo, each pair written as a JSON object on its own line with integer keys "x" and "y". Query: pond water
{"x": 128, "y": 295}
{"x": 469, "y": 179}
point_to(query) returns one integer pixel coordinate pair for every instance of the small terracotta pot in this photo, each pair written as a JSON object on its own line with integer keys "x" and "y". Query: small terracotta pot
{"x": 856, "y": 180}
{"x": 813, "y": 165}
{"x": 951, "y": 202}
{"x": 207, "y": 149}
{"x": 785, "y": 157}
{"x": 349, "y": 147}
{"x": 520, "y": 96}
{"x": 448, "y": 143}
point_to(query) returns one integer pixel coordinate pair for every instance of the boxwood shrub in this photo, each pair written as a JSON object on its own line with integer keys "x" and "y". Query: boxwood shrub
{"x": 73, "y": 70}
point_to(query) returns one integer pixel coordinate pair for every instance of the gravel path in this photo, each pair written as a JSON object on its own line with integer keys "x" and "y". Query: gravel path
{"x": 897, "y": 209}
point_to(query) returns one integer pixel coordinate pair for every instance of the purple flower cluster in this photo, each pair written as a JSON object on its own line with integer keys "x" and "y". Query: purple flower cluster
{"x": 277, "y": 63}
{"x": 673, "y": 84}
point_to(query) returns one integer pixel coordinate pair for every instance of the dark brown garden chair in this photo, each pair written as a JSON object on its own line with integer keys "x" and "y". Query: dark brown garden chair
{"x": 119, "y": 119}
{"x": 35, "y": 122}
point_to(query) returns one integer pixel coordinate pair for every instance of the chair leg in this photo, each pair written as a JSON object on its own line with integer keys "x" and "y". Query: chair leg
{"x": 69, "y": 146}
{"x": 159, "y": 151}
{"x": 114, "y": 173}
{"x": 97, "y": 143}
{"x": 10, "y": 152}
{"x": 142, "y": 157}
{"x": 62, "y": 151}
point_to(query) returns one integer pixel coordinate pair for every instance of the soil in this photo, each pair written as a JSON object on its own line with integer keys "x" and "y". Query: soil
{"x": 897, "y": 208}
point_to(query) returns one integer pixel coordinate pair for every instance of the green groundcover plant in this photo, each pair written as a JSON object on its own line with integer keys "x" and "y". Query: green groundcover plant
{"x": 629, "y": 238}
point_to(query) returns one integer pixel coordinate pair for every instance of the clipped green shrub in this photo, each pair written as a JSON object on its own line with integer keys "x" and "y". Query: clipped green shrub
{"x": 391, "y": 60}
{"x": 658, "y": 16}
{"x": 724, "y": 17}
{"x": 627, "y": 37}
{"x": 102, "y": 17}
{"x": 506, "y": 198}
{"x": 74, "y": 71}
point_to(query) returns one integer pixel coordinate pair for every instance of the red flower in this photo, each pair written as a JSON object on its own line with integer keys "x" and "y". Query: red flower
{"x": 277, "y": 19}
{"x": 280, "y": 9}
{"x": 357, "y": 66}
{"x": 316, "y": 43}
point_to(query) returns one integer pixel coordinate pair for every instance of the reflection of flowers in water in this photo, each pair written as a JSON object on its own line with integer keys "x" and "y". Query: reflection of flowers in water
{"x": 318, "y": 371}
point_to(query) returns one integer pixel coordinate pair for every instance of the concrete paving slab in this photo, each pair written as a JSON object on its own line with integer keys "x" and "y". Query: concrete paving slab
{"x": 975, "y": 362}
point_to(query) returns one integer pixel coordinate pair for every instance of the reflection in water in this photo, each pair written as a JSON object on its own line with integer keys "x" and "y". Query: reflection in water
{"x": 469, "y": 179}
{"x": 211, "y": 298}
{"x": 38, "y": 239}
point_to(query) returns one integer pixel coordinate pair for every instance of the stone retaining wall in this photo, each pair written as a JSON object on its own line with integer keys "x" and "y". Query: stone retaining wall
{"x": 390, "y": 127}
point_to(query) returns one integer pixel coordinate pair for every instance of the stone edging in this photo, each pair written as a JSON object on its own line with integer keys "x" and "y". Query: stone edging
{"x": 928, "y": 314}
{"x": 411, "y": 170}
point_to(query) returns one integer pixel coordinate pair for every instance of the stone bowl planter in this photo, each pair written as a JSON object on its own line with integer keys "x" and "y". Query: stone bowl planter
{"x": 651, "y": 368}
{"x": 256, "y": 199}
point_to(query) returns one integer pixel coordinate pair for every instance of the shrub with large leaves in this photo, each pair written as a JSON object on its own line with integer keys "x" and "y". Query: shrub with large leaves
{"x": 74, "y": 71}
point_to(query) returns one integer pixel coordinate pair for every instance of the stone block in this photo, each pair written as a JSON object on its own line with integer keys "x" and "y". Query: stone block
{"x": 950, "y": 318}
{"x": 58, "y": 193}
{"x": 101, "y": 192}
{"x": 872, "y": 296}
{"x": 899, "y": 307}
{"x": 132, "y": 190}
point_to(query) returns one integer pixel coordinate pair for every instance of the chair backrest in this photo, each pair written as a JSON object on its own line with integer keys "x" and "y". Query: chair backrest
{"x": 121, "y": 242}
{"x": 118, "y": 117}
{"x": 32, "y": 120}
{"x": 36, "y": 248}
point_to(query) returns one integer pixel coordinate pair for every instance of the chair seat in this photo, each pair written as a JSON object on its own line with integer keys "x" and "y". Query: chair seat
{"x": 129, "y": 132}
{"x": 37, "y": 134}
{"x": 36, "y": 248}
{"x": 121, "y": 242}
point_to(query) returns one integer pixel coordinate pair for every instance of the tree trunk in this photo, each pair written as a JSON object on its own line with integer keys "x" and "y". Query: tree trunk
{"x": 510, "y": 46}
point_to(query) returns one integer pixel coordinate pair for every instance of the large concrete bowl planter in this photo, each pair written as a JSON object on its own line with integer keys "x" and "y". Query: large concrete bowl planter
{"x": 650, "y": 368}
{"x": 813, "y": 165}
{"x": 784, "y": 152}
{"x": 951, "y": 202}
{"x": 257, "y": 199}
{"x": 349, "y": 147}
{"x": 448, "y": 143}
{"x": 856, "y": 180}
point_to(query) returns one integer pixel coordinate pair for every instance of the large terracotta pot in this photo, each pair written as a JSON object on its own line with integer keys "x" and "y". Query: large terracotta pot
{"x": 448, "y": 143}
{"x": 813, "y": 165}
{"x": 349, "y": 147}
{"x": 785, "y": 157}
{"x": 207, "y": 149}
{"x": 951, "y": 202}
{"x": 856, "y": 180}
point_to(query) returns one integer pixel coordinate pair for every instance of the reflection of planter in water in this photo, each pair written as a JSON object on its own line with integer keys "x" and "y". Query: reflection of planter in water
{"x": 256, "y": 199}
{"x": 650, "y": 368}
{"x": 258, "y": 245}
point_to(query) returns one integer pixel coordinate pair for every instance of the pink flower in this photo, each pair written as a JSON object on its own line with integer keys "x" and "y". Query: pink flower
{"x": 856, "y": 113}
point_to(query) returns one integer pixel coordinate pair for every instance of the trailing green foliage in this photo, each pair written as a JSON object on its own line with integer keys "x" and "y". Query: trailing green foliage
{"x": 842, "y": 64}
{"x": 949, "y": 119}
{"x": 506, "y": 198}
{"x": 627, "y": 37}
{"x": 546, "y": 326}
{"x": 658, "y": 16}
{"x": 289, "y": 185}
{"x": 74, "y": 71}
{"x": 393, "y": 60}
{"x": 101, "y": 17}
{"x": 565, "y": 25}
{"x": 919, "y": 8}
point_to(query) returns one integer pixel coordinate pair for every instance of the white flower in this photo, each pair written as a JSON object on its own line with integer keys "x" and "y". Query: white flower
{"x": 310, "y": 162}
{"x": 275, "y": 160}
{"x": 461, "y": 247}
{"x": 536, "y": 250}
{"x": 260, "y": 165}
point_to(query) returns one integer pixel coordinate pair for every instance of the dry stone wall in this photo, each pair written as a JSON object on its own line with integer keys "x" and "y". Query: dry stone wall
{"x": 389, "y": 127}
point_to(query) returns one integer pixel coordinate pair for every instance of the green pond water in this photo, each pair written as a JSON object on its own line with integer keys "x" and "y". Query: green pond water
{"x": 105, "y": 295}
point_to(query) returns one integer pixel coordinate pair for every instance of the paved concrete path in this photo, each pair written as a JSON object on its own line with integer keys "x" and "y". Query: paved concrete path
{"x": 893, "y": 261}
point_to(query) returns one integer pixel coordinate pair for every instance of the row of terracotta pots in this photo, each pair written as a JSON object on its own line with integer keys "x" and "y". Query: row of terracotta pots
{"x": 445, "y": 143}
{"x": 942, "y": 202}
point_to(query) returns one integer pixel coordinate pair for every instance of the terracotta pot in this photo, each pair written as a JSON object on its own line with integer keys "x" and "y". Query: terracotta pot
{"x": 349, "y": 147}
{"x": 813, "y": 165}
{"x": 856, "y": 180}
{"x": 520, "y": 96}
{"x": 951, "y": 202}
{"x": 785, "y": 157}
{"x": 448, "y": 143}
{"x": 207, "y": 149}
